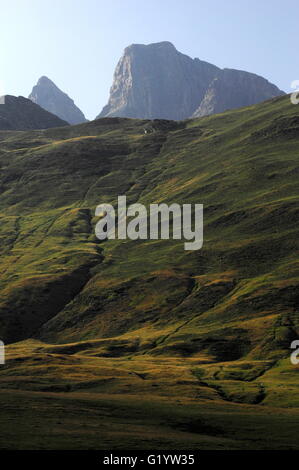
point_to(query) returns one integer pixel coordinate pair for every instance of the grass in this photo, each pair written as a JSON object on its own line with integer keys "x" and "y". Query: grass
{"x": 56, "y": 398}
{"x": 141, "y": 338}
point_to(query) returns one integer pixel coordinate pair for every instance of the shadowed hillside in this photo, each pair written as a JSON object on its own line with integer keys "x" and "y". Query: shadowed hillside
{"x": 148, "y": 318}
{"x": 19, "y": 113}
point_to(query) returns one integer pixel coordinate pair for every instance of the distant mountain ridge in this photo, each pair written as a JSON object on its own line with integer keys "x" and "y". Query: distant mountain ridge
{"x": 157, "y": 81}
{"x": 19, "y": 113}
{"x": 47, "y": 95}
{"x": 234, "y": 89}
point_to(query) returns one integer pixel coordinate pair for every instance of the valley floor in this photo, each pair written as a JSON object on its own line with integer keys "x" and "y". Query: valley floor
{"x": 55, "y": 398}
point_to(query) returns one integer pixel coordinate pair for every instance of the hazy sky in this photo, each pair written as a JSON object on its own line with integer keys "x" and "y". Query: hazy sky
{"x": 77, "y": 43}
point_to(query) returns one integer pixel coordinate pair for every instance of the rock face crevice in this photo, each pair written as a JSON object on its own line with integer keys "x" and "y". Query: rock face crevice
{"x": 47, "y": 95}
{"x": 157, "y": 81}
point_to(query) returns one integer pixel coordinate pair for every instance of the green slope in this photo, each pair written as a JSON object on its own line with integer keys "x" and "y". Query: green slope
{"x": 241, "y": 165}
{"x": 225, "y": 315}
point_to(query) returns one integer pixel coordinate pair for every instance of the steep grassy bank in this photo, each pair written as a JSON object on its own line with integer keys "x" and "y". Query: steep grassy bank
{"x": 219, "y": 320}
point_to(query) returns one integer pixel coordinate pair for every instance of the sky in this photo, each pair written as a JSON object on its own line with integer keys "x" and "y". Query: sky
{"x": 77, "y": 43}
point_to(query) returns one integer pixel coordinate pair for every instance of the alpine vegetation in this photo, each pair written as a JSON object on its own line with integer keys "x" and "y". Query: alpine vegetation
{"x": 185, "y": 223}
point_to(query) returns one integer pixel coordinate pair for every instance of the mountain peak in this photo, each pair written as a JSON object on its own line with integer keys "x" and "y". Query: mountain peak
{"x": 167, "y": 45}
{"x": 43, "y": 80}
{"x": 157, "y": 81}
{"x": 46, "y": 94}
{"x": 233, "y": 89}
{"x": 163, "y": 47}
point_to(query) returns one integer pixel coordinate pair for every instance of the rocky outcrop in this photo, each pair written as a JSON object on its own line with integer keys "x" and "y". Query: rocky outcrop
{"x": 19, "y": 113}
{"x": 233, "y": 89}
{"x": 47, "y": 95}
{"x": 156, "y": 81}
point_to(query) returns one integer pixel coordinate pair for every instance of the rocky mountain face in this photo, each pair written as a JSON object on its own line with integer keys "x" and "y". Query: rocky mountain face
{"x": 46, "y": 94}
{"x": 19, "y": 113}
{"x": 233, "y": 89}
{"x": 156, "y": 81}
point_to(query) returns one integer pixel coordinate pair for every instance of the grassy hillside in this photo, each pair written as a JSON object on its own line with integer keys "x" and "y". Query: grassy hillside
{"x": 19, "y": 113}
{"x": 132, "y": 323}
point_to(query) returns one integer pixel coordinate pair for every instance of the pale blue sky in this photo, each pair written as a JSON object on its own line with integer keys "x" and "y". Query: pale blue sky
{"x": 77, "y": 43}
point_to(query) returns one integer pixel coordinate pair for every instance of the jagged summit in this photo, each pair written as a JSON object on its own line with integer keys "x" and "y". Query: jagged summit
{"x": 156, "y": 45}
{"x": 157, "y": 81}
{"x": 46, "y": 94}
{"x": 235, "y": 89}
{"x": 44, "y": 79}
